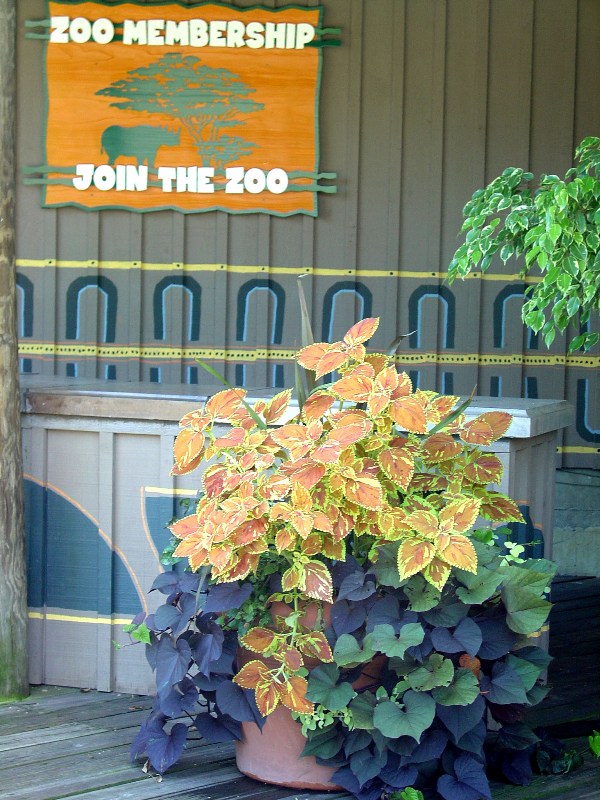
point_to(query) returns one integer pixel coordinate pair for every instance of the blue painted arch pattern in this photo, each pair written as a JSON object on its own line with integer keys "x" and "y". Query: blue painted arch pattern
{"x": 247, "y": 324}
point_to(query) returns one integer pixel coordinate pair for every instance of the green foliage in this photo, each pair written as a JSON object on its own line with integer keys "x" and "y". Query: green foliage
{"x": 594, "y": 741}
{"x": 407, "y": 794}
{"x": 554, "y": 227}
{"x": 411, "y": 717}
{"x": 205, "y": 101}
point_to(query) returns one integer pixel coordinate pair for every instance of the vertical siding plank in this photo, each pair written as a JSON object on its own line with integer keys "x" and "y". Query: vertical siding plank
{"x": 508, "y": 144}
{"x": 106, "y": 495}
{"x": 422, "y": 153}
{"x": 464, "y": 165}
{"x": 552, "y": 114}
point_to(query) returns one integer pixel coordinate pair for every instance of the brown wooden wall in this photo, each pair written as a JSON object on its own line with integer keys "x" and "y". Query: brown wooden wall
{"x": 423, "y": 102}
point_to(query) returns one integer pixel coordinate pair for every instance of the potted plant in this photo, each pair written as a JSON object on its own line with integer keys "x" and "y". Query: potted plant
{"x": 554, "y": 226}
{"x": 337, "y": 584}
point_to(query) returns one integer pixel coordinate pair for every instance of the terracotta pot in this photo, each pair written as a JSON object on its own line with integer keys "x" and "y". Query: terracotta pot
{"x": 273, "y": 755}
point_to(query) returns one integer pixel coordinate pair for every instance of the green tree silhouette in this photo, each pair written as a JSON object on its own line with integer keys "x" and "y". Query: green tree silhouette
{"x": 206, "y": 101}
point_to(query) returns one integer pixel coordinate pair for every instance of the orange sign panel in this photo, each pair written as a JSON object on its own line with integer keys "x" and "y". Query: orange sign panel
{"x": 191, "y": 108}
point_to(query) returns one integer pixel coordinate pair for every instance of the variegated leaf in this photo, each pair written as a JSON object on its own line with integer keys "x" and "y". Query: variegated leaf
{"x": 437, "y": 573}
{"x": 197, "y": 420}
{"x": 293, "y": 695}
{"x": 258, "y": 639}
{"x": 310, "y": 356}
{"x": 459, "y": 515}
{"x": 487, "y": 468}
{"x": 307, "y": 473}
{"x": 185, "y": 526}
{"x": 267, "y": 694}
{"x": 234, "y": 438}
{"x": 398, "y": 464}
{"x": 498, "y": 507}
{"x": 251, "y": 674}
{"x": 356, "y": 385}
{"x": 440, "y": 447}
{"x": 423, "y": 522}
{"x": 277, "y": 406}
{"x": 330, "y": 361}
{"x": 365, "y": 491}
{"x": 486, "y": 428}
{"x": 409, "y": 415}
{"x": 413, "y": 556}
{"x": 225, "y": 403}
{"x": 294, "y": 438}
{"x": 285, "y": 539}
{"x": 459, "y": 552}
{"x": 317, "y": 581}
{"x": 362, "y": 331}
{"x": 315, "y": 645}
{"x": 188, "y": 450}
{"x": 317, "y": 405}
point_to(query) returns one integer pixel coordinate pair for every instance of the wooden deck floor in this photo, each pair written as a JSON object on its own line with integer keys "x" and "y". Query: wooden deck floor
{"x": 64, "y": 743}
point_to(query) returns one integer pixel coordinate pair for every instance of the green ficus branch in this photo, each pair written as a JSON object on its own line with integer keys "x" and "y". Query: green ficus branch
{"x": 554, "y": 227}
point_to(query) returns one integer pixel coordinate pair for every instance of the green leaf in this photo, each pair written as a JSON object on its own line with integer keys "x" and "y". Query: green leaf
{"x": 528, "y": 672}
{"x": 436, "y": 671}
{"x": 362, "y": 708}
{"x": 411, "y": 718}
{"x": 526, "y": 611}
{"x": 323, "y": 688}
{"x": 386, "y": 565}
{"x": 422, "y": 596}
{"x": 325, "y": 743}
{"x": 384, "y": 640}
{"x": 348, "y": 651}
{"x": 141, "y": 634}
{"x": 554, "y": 232}
{"x": 476, "y": 589}
{"x": 461, "y": 692}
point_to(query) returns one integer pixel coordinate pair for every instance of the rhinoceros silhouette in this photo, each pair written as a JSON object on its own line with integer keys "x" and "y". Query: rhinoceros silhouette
{"x": 138, "y": 141}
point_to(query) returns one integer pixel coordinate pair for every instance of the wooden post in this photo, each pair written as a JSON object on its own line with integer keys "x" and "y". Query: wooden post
{"x": 13, "y": 589}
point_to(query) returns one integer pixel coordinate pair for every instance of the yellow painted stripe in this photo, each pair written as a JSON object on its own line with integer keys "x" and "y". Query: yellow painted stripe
{"x": 85, "y": 620}
{"x": 170, "y": 492}
{"x": 29, "y": 348}
{"x": 146, "y": 266}
{"x": 584, "y": 450}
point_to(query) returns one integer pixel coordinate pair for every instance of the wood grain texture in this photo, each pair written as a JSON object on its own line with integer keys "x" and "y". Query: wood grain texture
{"x": 13, "y": 593}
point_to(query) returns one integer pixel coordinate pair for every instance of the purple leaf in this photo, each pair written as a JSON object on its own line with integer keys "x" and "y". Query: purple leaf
{"x": 504, "y": 687}
{"x": 468, "y": 783}
{"x": 166, "y": 616}
{"x": 209, "y": 648}
{"x": 164, "y": 749}
{"x": 498, "y": 639}
{"x": 466, "y": 638}
{"x": 461, "y": 719}
{"x": 216, "y": 730}
{"x": 347, "y": 617}
{"x": 385, "y": 612}
{"x": 172, "y": 662}
{"x": 238, "y": 703}
{"x": 356, "y": 587}
{"x": 431, "y": 746}
{"x": 226, "y": 596}
{"x": 151, "y": 727}
{"x": 165, "y": 582}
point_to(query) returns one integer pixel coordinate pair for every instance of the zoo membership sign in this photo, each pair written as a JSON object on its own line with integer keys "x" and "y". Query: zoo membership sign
{"x": 193, "y": 108}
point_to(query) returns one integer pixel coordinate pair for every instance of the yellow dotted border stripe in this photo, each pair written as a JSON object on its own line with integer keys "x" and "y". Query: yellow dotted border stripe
{"x": 78, "y": 350}
{"x": 24, "y": 263}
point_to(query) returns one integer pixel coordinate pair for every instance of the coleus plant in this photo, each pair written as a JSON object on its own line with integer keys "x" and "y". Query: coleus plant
{"x": 367, "y": 455}
{"x": 353, "y": 519}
